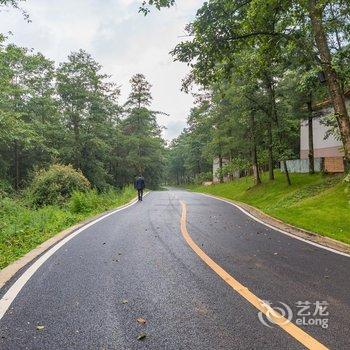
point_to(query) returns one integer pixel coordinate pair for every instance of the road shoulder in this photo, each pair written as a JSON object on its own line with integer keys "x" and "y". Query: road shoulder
{"x": 288, "y": 229}
{"x": 11, "y": 270}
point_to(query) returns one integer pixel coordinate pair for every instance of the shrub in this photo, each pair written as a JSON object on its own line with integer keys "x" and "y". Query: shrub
{"x": 202, "y": 177}
{"x": 84, "y": 202}
{"x": 56, "y": 184}
{"x": 91, "y": 201}
{"x": 23, "y": 228}
{"x": 5, "y": 189}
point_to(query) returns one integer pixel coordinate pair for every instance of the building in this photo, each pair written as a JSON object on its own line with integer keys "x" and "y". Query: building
{"x": 329, "y": 149}
{"x": 216, "y": 166}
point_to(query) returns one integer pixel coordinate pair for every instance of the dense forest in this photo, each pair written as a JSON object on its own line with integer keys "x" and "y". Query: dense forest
{"x": 69, "y": 148}
{"x": 256, "y": 69}
{"x": 261, "y": 67}
{"x": 70, "y": 114}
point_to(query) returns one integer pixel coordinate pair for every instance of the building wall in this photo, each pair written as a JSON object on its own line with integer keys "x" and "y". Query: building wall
{"x": 329, "y": 165}
{"x": 302, "y": 165}
{"x": 334, "y": 165}
{"x": 330, "y": 147}
{"x": 216, "y": 166}
{"x": 323, "y": 152}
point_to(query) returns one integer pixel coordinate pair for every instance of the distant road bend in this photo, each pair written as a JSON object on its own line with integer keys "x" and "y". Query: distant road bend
{"x": 180, "y": 271}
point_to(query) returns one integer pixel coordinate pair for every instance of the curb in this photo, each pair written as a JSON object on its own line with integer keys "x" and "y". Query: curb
{"x": 327, "y": 242}
{"x": 9, "y": 271}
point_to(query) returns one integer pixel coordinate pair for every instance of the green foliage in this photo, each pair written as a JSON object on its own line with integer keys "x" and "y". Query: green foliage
{"x": 56, "y": 184}
{"x": 203, "y": 177}
{"x": 142, "y": 143}
{"x": 146, "y": 4}
{"x": 86, "y": 202}
{"x": 71, "y": 115}
{"x": 23, "y": 228}
{"x": 5, "y": 189}
{"x": 314, "y": 202}
{"x": 347, "y": 183}
{"x": 90, "y": 114}
{"x": 233, "y": 166}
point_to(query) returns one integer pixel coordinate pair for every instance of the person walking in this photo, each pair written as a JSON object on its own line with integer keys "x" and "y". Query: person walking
{"x": 139, "y": 186}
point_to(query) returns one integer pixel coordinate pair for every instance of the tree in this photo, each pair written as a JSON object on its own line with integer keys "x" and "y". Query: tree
{"x": 71, "y": 115}
{"x": 140, "y": 95}
{"x": 223, "y": 26}
{"x": 316, "y": 12}
{"x": 27, "y": 110}
{"x": 144, "y": 146}
{"x": 88, "y": 103}
{"x": 15, "y": 4}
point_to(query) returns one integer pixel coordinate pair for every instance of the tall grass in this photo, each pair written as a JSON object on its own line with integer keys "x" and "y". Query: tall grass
{"x": 22, "y": 227}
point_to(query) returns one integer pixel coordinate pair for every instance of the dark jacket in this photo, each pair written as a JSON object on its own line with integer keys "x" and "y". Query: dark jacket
{"x": 139, "y": 183}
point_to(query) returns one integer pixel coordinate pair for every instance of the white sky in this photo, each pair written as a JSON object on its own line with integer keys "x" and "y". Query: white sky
{"x": 122, "y": 40}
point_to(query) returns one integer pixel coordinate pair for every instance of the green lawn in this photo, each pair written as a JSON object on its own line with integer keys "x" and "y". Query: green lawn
{"x": 314, "y": 202}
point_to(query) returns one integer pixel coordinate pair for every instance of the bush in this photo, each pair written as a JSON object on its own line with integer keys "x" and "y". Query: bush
{"x": 5, "y": 189}
{"x": 23, "y": 228}
{"x": 56, "y": 184}
{"x": 91, "y": 201}
{"x": 202, "y": 177}
{"x": 84, "y": 202}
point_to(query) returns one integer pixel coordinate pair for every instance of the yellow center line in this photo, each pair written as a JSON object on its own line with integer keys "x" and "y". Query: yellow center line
{"x": 296, "y": 332}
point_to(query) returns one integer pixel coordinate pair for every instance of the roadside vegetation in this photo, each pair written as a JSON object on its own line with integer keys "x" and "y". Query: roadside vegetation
{"x": 69, "y": 148}
{"x": 261, "y": 67}
{"x": 317, "y": 203}
{"x": 258, "y": 69}
{"x": 56, "y": 199}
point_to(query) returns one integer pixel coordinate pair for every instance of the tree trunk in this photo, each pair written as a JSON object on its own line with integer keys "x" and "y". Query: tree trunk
{"x": 256, "y": 174}
{"x": 221, "y": 177}
{"x": 287, "y": 172}
{"x": 76, "y": 129}
{"x": 270, "y": 150}
{"x": 16, "y": 166}
{"x": 274, "y": 117}
{"x": 311, "y": 138}
{"x": 333, "y": 81}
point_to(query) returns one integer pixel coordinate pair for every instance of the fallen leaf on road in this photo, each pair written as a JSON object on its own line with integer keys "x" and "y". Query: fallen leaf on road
{"x": 40, "y": 328}
{"x": 142, "y": 336}
{"x": 141, "y": 320}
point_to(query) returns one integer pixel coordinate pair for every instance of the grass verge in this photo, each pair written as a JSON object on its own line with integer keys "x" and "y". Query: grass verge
{"x": 317, "y": 203}
{"x": 23, "y": 228}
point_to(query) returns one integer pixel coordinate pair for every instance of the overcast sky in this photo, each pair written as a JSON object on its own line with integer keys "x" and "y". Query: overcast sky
{"x": 118, "y": 37}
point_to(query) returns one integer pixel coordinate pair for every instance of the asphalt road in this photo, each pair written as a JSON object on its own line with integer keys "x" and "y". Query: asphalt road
{"x": 137, "y": 264}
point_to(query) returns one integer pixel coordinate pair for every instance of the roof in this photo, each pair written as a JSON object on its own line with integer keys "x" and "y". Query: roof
{"x": 328, "y": 102}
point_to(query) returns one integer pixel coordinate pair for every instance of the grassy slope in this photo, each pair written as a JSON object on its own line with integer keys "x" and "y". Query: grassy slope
{"x": 313, "y": 202}
{"x": 22, "y": 228}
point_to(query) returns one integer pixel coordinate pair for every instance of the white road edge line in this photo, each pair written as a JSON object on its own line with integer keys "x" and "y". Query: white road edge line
{"x": 275, "y": 228}
{"x": 11, "y": 294}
